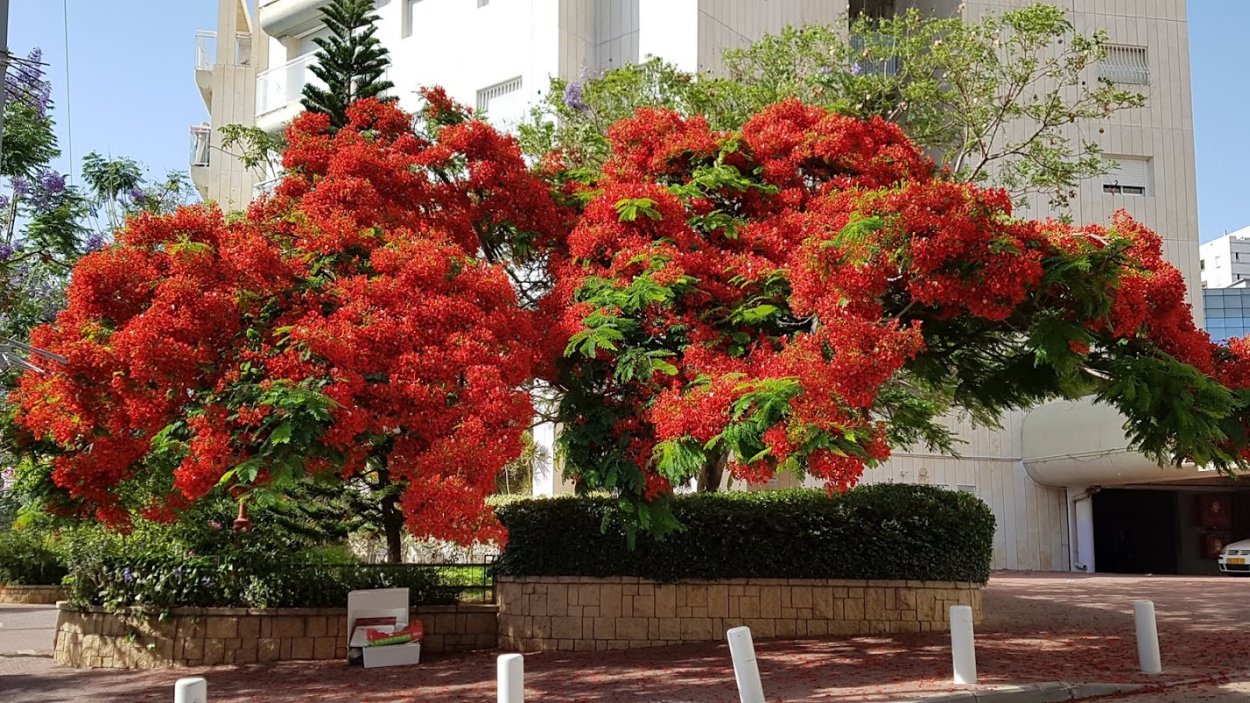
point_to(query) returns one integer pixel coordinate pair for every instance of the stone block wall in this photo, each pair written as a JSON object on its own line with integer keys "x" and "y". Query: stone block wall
{"x": 93, "y": 638}
{"x": 589, "y": 614}
{"x": 32, "y": 595}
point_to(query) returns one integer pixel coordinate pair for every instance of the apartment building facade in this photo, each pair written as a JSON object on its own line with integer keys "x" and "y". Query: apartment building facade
{"x": 227, "y": 61}
{"x": 1225, "y": 261}
{"x": 1043, "y": 471}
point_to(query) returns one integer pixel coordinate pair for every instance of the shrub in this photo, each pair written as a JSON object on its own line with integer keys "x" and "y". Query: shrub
{"x": 28, "y": 558}
{"x": 144, "y": 570}
{"x": 890, "y": 531}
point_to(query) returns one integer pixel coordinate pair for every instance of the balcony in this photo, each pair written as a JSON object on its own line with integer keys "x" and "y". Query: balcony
{"x": 265, "y": 187}
{"x": 278, "y": 92}
{"x": 206, "y": 58}
{"x": 201, "y": 157}
{"x": 283, "y": 18}
{"x": 201, "y": 138}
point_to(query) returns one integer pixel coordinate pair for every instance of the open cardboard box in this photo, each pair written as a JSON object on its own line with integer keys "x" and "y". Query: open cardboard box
{"x": 371, "y": 608}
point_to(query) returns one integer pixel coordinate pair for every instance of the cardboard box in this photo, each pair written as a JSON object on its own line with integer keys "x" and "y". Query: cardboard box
{"x": 372, "y": 606}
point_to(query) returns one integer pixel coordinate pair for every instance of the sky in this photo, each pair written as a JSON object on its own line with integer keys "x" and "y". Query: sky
{"x": 132, "y": 86}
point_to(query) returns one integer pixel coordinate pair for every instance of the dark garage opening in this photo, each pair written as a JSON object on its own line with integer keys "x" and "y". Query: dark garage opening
{"x": 1160, "y": 530}
{"x": 1135, "y": 531}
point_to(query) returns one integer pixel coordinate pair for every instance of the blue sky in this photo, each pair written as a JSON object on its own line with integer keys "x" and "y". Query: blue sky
{"x": 141, "y": 103}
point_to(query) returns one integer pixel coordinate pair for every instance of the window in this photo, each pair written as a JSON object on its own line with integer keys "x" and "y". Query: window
{"x": 1125, "y": 64}
{"x": 876, "y": 44}
{"x": 496, "y": 96}
{"x": 872, "y": 9}
{"x": 1128, "y": 177}
{"x": 1202, "y": 265}
{"x": 409, "y": 18}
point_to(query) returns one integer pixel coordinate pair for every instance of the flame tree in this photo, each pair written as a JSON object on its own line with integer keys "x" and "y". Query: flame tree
{"x": 347, "y": 328}
{"x": 805, "y": 293}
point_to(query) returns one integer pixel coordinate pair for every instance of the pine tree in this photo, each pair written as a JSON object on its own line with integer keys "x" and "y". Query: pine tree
{"x": 350, "y": 62}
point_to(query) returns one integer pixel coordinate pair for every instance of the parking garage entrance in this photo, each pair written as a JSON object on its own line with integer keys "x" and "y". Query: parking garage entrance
{"x": 1168, "y": 529}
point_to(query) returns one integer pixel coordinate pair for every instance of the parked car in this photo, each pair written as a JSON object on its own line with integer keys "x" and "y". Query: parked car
{"x": 1235, "y": 558}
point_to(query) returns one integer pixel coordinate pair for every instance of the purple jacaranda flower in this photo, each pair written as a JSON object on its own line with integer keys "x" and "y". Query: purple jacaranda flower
{"x": 20, "y": 186}
{"x": 6, "y": 251}
{"x": 856, "y": 69}
{"x": 47, "y": 189}
{"x": 127, "y": 575}
{"x": 24, "y": 83}
{"x": 95, "y": 242}
{"x": 573, "y": 96}
{"x": 52, "y": 182}
{"x": 138, "y": 196}
{"x": 5, "y": 202}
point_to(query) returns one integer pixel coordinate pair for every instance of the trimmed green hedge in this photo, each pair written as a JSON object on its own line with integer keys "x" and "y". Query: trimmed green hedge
{"x": 887, "y": 531}
{"x": 27, "y": 558}
{"x": 162, "y": 583}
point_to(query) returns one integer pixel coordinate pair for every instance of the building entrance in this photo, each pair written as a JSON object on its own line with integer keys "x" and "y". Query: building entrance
{"x": 1166, "y": 530}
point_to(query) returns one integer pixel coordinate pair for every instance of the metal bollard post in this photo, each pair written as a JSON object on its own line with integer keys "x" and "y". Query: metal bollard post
{"x": 746, "y": 668}
{"x": 191, "y": 690}
{"x": 511, "y": 678}
{"x": 963, "y": 647}
{"x": 1147, "y": 637}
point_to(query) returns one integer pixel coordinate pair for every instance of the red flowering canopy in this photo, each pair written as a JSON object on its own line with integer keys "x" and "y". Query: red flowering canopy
{"x": 355, "y": 321}
{"x": 807, "y": 293}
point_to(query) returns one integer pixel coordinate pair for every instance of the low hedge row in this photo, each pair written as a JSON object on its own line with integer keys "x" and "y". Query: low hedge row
{"x": 27, "y": 559}
{"x": 885, "y": 531}
{"x": 163, "y": 582}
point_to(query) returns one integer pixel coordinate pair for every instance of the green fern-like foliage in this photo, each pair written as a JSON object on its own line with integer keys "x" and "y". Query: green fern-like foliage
{"x": 351, "y": 62}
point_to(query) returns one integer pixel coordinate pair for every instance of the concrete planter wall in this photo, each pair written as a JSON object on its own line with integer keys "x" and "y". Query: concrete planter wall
{"x": 588, "y": 614}
{"x": 93, "y": 638}
{"x": 42, "y": 595}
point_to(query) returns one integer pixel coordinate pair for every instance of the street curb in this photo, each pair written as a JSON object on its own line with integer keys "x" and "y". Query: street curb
{"x": 1048, "y": 692}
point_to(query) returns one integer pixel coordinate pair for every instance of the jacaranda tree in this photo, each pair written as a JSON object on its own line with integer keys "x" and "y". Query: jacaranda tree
{"x": 347, "y": 328}
{"x": 808, "y": 292}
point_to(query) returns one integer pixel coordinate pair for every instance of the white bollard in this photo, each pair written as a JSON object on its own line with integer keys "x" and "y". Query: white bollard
{"x": 746, "y": 668}
{"x": 191, "y": 690}
{"x": 963, "y": 648}
{"x": 1147, "y": 637}
{"x": 511, "y": 678}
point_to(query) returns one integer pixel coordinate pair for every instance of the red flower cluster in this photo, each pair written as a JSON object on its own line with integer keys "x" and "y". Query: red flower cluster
{"x": 360, "y": 281}
{"x": 788, "y": 272}
{"x": 742, "y": 300}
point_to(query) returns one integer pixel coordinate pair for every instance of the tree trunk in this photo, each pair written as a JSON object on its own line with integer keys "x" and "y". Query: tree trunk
{"x": 709, "y": 479}
{"x": 392, "y": 519}
{"x": 393, "y": 524}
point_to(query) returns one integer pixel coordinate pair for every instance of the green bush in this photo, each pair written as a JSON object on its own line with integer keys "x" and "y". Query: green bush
{"x": 28, "y": 558}
{"x": 147, "y": 570}
{"x": 889, "y": 531}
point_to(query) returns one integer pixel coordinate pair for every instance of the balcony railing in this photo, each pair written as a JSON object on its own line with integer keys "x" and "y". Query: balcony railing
{"x": 206, "y": 49}
{"x": 281, "y": 86}
{"x": 265, "y": 187}
{"x": 201, "y": 138}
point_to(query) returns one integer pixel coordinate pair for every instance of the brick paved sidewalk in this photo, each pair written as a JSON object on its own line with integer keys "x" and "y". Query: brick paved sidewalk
{"x": 1037, "y": 628}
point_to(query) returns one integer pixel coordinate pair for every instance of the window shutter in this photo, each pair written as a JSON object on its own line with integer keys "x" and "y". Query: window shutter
{"x": 1129, "y": 177}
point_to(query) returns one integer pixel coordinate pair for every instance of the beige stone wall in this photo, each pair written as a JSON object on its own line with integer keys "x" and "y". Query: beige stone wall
{"x": 92, "y": 638}
{"x": 30, "y": 595}
{"x": 585, "y": 614}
